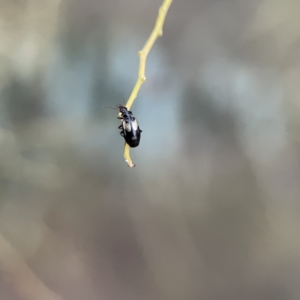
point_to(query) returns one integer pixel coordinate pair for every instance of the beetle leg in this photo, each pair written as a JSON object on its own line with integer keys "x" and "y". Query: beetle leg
{"x": 120, "y": 127}
{"x": 122, "y": 133}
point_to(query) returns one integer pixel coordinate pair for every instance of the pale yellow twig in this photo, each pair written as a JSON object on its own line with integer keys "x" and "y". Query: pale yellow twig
{"x": 127, "y": 156}
{"x": 156, "y": 32}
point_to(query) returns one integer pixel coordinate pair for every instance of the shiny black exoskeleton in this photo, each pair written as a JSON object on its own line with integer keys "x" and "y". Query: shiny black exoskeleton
{"x": 130, "y": 129}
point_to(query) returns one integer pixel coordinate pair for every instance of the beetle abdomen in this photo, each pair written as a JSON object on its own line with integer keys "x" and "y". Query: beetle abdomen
{"x": 130, "y": 127}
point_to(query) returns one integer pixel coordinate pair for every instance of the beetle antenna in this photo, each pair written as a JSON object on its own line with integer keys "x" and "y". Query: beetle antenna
{"x": 124, "y": 100}
{"x": 109, "y": 107}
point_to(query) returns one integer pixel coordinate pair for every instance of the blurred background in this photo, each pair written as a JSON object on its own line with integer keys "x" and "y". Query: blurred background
{"x": 211, "y": 210}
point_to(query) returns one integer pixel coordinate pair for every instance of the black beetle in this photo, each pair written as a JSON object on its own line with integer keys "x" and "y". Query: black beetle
{"x": 131, "y": 131}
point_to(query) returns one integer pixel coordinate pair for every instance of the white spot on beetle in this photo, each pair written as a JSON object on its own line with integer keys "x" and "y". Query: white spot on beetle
{"x": 135, "y": 125}
{"x": 126, "y": 126}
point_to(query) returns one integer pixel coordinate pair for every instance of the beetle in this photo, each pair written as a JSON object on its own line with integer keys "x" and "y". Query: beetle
{"x": 130, "y": 129}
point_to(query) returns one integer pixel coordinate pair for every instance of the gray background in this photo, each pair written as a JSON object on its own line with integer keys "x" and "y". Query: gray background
{"x": 212, "y": 209}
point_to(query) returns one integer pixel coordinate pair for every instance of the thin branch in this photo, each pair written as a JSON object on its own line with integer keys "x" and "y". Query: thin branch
{"x": 156, "y": 32}
{"x": 127, "y": 156}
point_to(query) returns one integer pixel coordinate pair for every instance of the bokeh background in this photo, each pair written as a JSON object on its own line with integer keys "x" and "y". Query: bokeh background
{"x": 212, "y": 209}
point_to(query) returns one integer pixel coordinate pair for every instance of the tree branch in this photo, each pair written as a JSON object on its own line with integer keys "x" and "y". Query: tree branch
{"x": 156, "y": 32}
